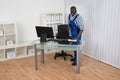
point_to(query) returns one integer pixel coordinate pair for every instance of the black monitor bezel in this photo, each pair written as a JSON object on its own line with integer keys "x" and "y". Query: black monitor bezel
{"x": 44, "y": 32}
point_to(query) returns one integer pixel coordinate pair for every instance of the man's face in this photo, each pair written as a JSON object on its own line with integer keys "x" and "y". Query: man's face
{"x": 72, "y": 11}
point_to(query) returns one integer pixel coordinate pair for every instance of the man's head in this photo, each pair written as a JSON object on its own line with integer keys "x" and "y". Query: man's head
{"x": 73, "y": 10}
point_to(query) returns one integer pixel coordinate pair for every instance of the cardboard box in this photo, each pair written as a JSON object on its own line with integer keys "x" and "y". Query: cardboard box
{"x": 9, "y": 42}
{"x": 31, "y": 51}
{"x": 1, "y": 33}
{"x": 11, "y": 54}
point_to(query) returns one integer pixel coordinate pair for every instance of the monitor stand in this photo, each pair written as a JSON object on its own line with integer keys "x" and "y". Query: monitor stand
{"x": 43, "y": 38}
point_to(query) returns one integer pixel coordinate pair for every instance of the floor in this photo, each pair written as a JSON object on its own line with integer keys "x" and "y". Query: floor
{"x": 23, "y": 69}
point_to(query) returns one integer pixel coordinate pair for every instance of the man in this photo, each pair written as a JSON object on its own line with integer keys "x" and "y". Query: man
{"x": 76, "y": 27}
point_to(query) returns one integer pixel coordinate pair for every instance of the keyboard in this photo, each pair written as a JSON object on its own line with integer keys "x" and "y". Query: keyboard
{"x": 57, "y": 39}
{"x": 60, "y": 41}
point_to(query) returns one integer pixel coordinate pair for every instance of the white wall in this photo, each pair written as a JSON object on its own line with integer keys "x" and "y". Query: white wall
{"x": 76, "y": 3}
{"x": 102, "y": 29}
{"x": 26, "y": 14}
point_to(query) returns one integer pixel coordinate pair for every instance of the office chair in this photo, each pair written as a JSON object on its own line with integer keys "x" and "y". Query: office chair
{"x": 62, "y": 54}
{"x": 63, "y": 33}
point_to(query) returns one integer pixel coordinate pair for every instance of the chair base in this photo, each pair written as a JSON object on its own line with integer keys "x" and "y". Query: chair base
{"x": 62, "y": 54}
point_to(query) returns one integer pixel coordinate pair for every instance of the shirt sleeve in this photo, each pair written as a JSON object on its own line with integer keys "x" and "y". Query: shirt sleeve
{"x": 79, "y": 22}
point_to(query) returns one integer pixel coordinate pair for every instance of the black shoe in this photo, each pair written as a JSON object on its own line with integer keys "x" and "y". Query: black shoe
{"x": 74, "y": 64}
{"x": 72, "y": 59}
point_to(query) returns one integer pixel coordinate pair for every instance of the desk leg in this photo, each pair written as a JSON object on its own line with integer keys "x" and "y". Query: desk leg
{"x": 42, "y": 56}
{"x": 36, "y": 63}
{"x": 78, "y": 61}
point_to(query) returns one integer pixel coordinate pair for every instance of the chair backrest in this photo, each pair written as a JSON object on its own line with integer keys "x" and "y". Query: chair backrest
{"x": 63, "y": 32}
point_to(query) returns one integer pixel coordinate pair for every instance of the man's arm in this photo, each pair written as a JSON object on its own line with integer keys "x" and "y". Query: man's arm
{"x": 81, "y": 26}
{"x": 79, "y": 34}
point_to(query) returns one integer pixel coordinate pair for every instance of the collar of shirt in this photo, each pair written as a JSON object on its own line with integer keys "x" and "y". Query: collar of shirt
{"x": 72, "y": 17}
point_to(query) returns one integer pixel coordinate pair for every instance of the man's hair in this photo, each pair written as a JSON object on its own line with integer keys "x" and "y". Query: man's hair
{"x": 73, "y": 7}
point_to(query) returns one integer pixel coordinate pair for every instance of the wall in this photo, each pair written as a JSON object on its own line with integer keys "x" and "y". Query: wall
{"x": 102, "y": 25}
{"x": 26, "y": 14}
{"x": 81, "y": 8}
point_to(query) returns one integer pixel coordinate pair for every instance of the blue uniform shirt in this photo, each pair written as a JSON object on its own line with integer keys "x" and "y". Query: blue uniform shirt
{"x": 76, "y": 22}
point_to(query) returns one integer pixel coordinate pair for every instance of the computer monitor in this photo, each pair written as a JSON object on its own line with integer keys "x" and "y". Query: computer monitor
{"x": 44, "y": 32}
{"x": 63, "y": 32}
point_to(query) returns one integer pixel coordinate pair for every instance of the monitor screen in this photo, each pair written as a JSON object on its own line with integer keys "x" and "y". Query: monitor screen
{"x": 63, "y": 32}
{"x": 44, "y": 30}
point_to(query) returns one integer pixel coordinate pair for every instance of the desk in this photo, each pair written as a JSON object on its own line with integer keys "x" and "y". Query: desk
{"x": 51, "y": 45}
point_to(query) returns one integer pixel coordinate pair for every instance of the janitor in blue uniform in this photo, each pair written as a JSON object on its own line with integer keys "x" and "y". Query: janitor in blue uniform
{"x": 76, "y": 27}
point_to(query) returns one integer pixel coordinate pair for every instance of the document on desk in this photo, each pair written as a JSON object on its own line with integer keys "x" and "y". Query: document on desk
{"x": 72, "y": 40}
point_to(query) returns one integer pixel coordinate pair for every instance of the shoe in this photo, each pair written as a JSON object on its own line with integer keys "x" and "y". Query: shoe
{"x": 74, "y": 64}
{"x": 72, "y": 59}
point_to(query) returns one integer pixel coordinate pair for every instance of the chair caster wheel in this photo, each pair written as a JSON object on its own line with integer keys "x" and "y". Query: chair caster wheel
{"x": 54, "y": 57}
{"x": 64, "y": 59}
{"x": 71, "y": 56}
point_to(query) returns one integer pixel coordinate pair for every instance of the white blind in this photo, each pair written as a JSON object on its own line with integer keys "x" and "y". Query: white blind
{"x": 102, "y": 29}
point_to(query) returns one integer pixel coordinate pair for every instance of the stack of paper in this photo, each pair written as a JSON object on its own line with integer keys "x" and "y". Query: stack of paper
{"x": 72, "y": 40}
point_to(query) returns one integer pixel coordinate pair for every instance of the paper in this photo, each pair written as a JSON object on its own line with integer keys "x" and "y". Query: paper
{"x": 72, "y": 40}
